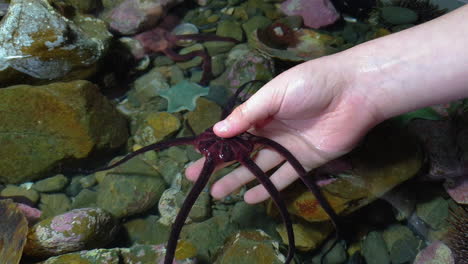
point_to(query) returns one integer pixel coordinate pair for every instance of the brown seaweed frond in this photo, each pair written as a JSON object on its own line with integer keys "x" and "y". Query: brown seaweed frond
{"x": 457, "y": 237}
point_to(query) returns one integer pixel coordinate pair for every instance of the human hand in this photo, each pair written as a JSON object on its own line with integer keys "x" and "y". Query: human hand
{"x": 314, "y": 110}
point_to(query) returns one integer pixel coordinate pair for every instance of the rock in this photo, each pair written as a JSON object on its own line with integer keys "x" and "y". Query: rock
{"x": 396, "y": 15}
{"x": 337, "y": 255}
{"x": 95, "y": 256}
{"x": 436, "y": 253}
{"x": 86, "y": 198}
{"x": 47, "y": 45}
{"x": 85, "y": 6}
{"x": 254, "y": 23}
{"x": 32, "y": 214}
{"x": 74, "y": 117}
{"x": 132, "y": 16}
{"x": 205, "y": 115}
{"x": 54, "y": 204}
{"x": 457, "y": 188}
{"x": 128, "y": 193}
{"x": 315, "y": 13}
{"x": 245, "y": 65}
{"x": 147, "y": 231}
{"x": 149, "y": 85}
{"x": 231, "y": 29}
{"x": 250, "y": 247}
{"x": 374, "y": 249}
{"x": 156, "y": 127}
{"x": 72, "y": 231}
{"x": 372, "y": 173}
{"x": 403, "y": 245}
{"x": 155, "y": 254}
{"x": 308, "y": 236}
{"x": 52, "y": 184}
{"x": 208, "y": 236}
{"x": 433, "y": 212}
{"x": 13, "y": 231}
{"x": 15, "y": 191}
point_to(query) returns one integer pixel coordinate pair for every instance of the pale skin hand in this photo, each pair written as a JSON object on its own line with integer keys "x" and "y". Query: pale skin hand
{"x": 320, "y": 109}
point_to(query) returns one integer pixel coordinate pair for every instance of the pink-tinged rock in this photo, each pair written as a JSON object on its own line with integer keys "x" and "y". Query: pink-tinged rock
{"x": 457, "y": 188}
{"x": 132, "y": 16}
{"x": 32, "y": 214}
{"x": 315, "y": 13}
{"x": 435, "y": 253}
{"x": 75, "y": 230}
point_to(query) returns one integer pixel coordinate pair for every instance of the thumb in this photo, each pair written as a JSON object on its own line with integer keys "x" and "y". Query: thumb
{"x": 258, "y": 108}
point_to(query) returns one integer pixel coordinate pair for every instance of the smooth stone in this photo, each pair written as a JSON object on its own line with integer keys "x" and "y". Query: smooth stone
{"x": 218, "y": 47}
{"x": 95, "y": 256}
{"x": 74, "y": 117}
{"x": 54, "y": 204}
{"x": 72, "y": 231}
{"x": 147, "y": 231}
{"x": 14, "y": 229}
{"x": 205, "y": 115}
{"x": 374, "y": 249}
{"x": 53, "y": 184}
{"x": 155, "y": 127}
{"x": 86, "y": 198}
{"x": 436, "y": 253}
{"x": 433, "y": 212}
{"x": 231, "y": 29}
{"x": 13, "y": 190}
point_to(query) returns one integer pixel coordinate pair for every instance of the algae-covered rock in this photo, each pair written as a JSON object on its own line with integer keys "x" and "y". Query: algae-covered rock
{"x": 205, "y": 115}
{"x": 95, "y": 256}
{"x": 45, "y": 126}
{"x": 54, "y": 204}
{"x": 13, "y": 231}
{"x": 250, "y": 247}
{"x": 156, "y": 127}
{"x": 386, "y": 158}
{"x": 75, "y": 230}
{"x": 128, "y": 194}
{"x": 51, "y": 184}
{"x": 155, "y": 254}
{"x": 46, "y": 45}
{"x": 308, "y": 236}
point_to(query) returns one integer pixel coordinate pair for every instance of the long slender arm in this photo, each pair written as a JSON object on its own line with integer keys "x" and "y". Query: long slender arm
{"x": 275, "y": 195}
{"x": 311, "y": 185}
{"x": 197, "y": 188}
{"x": 156, "y": 146}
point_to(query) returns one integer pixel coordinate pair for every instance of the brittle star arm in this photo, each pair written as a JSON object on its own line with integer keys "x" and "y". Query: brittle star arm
{"x": 156, "y": 146}
{"x": 207, "y": 170}
{"x": 311, "y": 185}
{"x": 275, "y": 195}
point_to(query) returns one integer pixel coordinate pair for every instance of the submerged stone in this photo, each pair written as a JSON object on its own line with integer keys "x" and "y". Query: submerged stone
{"x": 44, "y": 127}
{"x": 72, "y": 231}
{"x": 13, "y": 231}
{"x": 47, "y": 45}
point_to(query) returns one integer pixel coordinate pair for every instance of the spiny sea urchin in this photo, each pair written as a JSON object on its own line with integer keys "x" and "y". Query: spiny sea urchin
{"x": 457, "y": 237}
{"x": 425, "y": 9}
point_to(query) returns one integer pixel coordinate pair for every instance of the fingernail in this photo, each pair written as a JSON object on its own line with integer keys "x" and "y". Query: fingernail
{"x": 222, "y": 126}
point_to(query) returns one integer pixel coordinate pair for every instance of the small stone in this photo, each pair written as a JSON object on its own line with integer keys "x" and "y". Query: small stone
{"x": 156, "y": 127}
{"x": 435, "y": 253}
{"x": 433, "y": 212}
{"x": 194, "y": 62}
{"x": 95, "y": 256}
{"x": 457, "y": 188}
{"x": 255, "y": 23}
{"x": 148, "y": 231}
{"x": 72, "y": 231}
{"x": 308, "y": 236}
{"x": 374, "y": 249}
{"x": 149, "y": 85}
{"x": 13, "y": 233}
{"x": 218, "y": 47}
{"x": 155, "y": 254}
{"x": 205, "y": 115}
{"x": 124, "y": 195}
{"x": 250, "y": 247}
{"x": 52, "y": 184}
{"x": 86, "y": 198}
{"x": 54, "y": 204}
{"x": 403, "y": 245}
{"x": 324, "y": 13}
{"x": 396, "y": 15}
{"x": 231, "y": 29}
{"x": 13, "y": 190}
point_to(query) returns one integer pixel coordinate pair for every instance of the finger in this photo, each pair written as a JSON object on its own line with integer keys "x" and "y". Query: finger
{"x": 283, "y": 177}
{"x": 193, "y": 171}
{"x": 266, "y": 159}
{"x": 259, "y": 107}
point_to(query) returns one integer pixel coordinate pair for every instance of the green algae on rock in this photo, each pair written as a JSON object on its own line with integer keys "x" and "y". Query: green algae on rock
{"x": 45, "y": 126}
{"x": 13, "y": 232}
{"x": 95, "y": 256}
{"x": 75, "y": 230}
